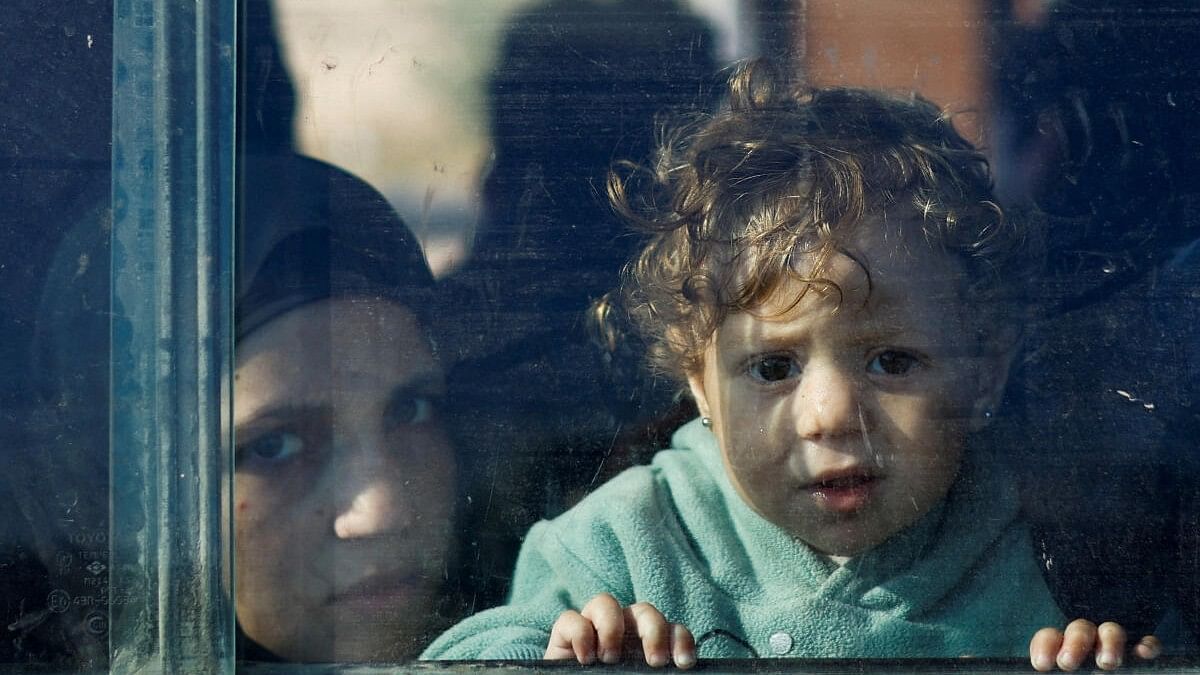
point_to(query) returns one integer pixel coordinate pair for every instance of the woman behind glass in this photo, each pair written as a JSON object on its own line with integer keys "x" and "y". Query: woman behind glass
{"x": 344, "y": 484}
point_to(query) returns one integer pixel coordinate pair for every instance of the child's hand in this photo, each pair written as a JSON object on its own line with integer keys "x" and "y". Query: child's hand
{"x": 1050, "y": 647}
{"x": 606, "y": 630}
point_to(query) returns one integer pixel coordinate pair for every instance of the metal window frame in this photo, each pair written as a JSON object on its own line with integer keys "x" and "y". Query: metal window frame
{"x": 173, "y": 160}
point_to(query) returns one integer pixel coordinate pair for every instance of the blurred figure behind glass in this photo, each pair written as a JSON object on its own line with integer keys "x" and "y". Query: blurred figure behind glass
{"x": 579, "y": 84}
{"x": 1099, "y": 101}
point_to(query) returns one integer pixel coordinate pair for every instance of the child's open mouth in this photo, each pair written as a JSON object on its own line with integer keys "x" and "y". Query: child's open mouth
{"x": 843, "y": 493}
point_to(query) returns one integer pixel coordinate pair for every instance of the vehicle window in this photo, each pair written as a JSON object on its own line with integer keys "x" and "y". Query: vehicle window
{"x": 55, "y": 267}
{"x": 438, "y": 331}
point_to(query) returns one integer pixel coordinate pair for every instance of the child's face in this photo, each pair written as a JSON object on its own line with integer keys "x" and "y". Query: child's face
{"x": 844, "y": 422}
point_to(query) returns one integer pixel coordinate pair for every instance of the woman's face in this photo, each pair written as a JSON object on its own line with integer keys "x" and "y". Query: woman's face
{"x": 344, "y": 483}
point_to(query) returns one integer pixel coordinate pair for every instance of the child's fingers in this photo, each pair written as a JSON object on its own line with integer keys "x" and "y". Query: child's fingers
{"x": 608, "y": 621}
{"x": 1043, "y": 648}
{"x": 1110, "y": 647}
{"x": 1078, "y": 642}
{"x": 572, "y": 636}
{"x": 1148, "y": 648}
{"x": 683, "y": 646}
{"x": 654, "y": 631}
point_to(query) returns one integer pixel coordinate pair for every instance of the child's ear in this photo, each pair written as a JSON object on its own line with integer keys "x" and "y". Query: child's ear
{"x": 696, "y": 384}
{"x": 999, "y": 353}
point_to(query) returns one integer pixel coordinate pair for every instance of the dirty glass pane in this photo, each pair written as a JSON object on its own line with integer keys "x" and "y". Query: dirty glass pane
{"x": 54, "y": 261}
{"x": 402, "y": 420}
{"x": 118, "y": 212}
{"x": 423, "y": 226}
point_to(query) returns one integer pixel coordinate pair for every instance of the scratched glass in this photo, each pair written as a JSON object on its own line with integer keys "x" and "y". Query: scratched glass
{"x": 54, "y": 262}
{"x": 415, "y": 382}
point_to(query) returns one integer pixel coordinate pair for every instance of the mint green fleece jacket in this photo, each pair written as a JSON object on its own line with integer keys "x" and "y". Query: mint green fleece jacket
{"x": 962, "y": 581}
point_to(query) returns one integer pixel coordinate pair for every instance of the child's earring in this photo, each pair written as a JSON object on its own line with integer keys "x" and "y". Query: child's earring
{"x": 984, "y": 415}
{"x": 706, "y": 422}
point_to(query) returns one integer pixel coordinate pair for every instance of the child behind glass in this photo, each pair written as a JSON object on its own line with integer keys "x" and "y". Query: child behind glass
{"x": 828, "y": 275}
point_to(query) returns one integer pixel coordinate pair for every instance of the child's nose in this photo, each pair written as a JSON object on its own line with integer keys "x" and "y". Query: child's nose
{"x": 372, "y": 499}
{"x": 826, "y": 404}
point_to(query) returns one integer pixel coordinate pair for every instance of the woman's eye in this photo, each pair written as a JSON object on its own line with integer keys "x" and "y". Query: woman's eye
{"x": 773, "y": 368}
{"x": 415, "y": 410}
{"x": 273, "y": 447}
{"x": 893, "y": 362}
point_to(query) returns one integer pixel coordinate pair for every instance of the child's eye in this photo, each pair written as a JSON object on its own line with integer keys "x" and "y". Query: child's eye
{"x": 272, "y": 447}
{"x": 892, "y": 362}
{"x": 774, "y": 368}
{"x": 412, "y": 410}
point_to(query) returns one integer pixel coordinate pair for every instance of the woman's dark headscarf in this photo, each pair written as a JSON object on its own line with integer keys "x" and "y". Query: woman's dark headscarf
{"x": 311, "y": 232}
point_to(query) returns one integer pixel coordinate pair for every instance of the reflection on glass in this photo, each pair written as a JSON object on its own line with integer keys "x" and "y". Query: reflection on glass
{"x": 1097, "y": 126}
{"x": 56, "y": 573}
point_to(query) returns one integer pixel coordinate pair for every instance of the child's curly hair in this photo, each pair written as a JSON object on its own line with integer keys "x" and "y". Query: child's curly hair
{"x": 734, "y": 199}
